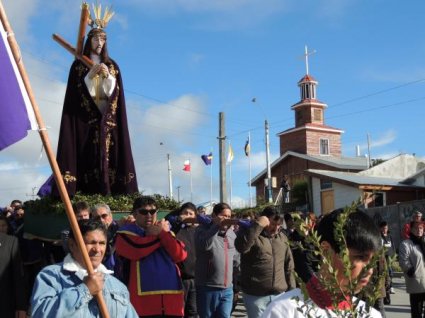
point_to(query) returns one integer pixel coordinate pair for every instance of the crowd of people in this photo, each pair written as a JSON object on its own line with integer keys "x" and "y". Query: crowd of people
{"x": 194, "y": 265}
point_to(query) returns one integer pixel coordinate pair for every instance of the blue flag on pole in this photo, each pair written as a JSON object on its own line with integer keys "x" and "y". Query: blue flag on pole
{"x": 16, "y": 114}
{"x": 207, "y": 159}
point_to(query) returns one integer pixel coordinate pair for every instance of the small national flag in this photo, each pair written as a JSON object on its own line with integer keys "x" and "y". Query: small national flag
{"x": 16, "y": 114}
{"x": 230, "y": 154}
{"x": 207, "y": 159}
{"x": 186, "y": 166}
{"x": 247, "y": 148}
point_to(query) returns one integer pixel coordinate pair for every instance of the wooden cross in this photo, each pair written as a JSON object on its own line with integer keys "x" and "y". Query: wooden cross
{"x": 78, "y": 51}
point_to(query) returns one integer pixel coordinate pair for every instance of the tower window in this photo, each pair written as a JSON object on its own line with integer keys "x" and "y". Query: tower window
{"x": 324, "y": 146}
{"x": 298, "y": 117}
{"x": 317, "y": 115}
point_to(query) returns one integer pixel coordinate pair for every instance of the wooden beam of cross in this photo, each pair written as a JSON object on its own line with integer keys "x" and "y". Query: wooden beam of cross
{"x": 84, "y": 59}
{"x": 78, "y": 51}
{"x": 85, "y": 13}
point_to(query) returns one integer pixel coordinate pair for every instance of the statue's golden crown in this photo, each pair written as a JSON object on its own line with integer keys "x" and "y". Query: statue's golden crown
{"x": 99, "y": 21}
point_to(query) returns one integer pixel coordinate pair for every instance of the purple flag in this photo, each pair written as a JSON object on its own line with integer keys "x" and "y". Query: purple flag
{"x": 14, "y": 101}
{"x": 207, "y": 158}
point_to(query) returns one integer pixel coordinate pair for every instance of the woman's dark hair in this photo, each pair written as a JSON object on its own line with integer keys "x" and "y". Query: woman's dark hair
{"x": 188, "y": 205}
{"x": 80, "y": 206}
{"x": 143, "y": 201}
{"x": 360, "y": 231}
{"x": 220, "y": 207}
{"x": 272, "y": 213}
{"x": 104, "y": 56}
{"x": 89, "y": 226}
{"x": 383, "y": 223}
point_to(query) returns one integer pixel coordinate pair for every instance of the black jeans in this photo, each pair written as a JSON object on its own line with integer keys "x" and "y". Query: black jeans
{"x": 417, "y": 304}
{"x": 190, "y": 310}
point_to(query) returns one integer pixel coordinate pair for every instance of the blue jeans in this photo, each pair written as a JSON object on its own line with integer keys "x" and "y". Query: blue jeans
{"x": 255, "y": 305}
{"x": 214, "y": 302}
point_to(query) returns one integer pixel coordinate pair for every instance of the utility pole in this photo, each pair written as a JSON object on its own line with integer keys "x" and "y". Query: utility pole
{"x": 170, "y": 177}
{"x": 369, "y": 162}
{"x": 222, "y": 154}
{"x": 178, "y": 193}
{"x": 269, "y": 172}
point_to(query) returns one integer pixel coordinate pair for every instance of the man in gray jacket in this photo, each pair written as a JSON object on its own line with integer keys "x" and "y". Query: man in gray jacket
{"x": 267, "y": 266}
{"x": 215, "y": 251}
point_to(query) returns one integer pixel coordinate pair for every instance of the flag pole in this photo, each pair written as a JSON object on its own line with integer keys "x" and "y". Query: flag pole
{"x": 211, "y": 178}
{"x": 249, "y": 164}
{"x": 191, "y": 190}
{"x": 52, "y": 160}
{"x": 230, "y": 173}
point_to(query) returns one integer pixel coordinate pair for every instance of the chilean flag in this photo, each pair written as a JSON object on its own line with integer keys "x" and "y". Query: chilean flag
{"x": 186, "y": 166}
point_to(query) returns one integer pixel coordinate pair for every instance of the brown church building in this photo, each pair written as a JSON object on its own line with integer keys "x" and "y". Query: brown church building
{"x": 309, "y": 145}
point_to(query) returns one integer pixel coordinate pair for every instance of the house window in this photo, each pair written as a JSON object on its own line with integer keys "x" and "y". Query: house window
{"x": 325, "y": 184}
{"x": 324, "y": 146}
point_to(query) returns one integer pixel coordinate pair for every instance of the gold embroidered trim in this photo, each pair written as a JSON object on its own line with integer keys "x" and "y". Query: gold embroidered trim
{"x": 113, "y": 71}
{"x": 130, "y": 176}
{"x": 112, "y": 176}
{"x": 108, "y": 144}
{"x": 114, "y": 104}
{"x": 80, "y": 69}
{"x": 67, "y": 177}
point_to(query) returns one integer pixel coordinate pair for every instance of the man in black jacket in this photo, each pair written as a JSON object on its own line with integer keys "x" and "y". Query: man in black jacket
{"x": 13, "y": 290}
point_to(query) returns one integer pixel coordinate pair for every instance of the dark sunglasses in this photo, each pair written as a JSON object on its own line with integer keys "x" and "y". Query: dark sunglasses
{"x": 145, "y": 211}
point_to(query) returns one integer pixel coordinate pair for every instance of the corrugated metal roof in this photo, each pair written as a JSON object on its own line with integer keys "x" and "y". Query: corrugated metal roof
{"x": 347, "y": 163}
{"x": 358, "y": 179}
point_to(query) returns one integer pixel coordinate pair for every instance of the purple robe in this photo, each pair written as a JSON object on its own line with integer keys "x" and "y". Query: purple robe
{"x": 94, "y": 151}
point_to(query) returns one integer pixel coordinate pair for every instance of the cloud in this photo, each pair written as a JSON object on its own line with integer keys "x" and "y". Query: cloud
{"x": 387, "y": 138}
{"x": 196, "y": 58}
{"x": 168, "y": 129}
{"x": 258, "y": 161}
{"x": 18, "y": 18}
{"x": 376, "y": 141}
{"x": 400, "y": 74}
{"x": 333, "y": 9}
{"x": 217, "y": 14}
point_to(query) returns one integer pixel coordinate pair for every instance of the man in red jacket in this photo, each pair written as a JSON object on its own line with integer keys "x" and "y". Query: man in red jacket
{"x": 150, "y": 253}
{"x": 416, "y": 217}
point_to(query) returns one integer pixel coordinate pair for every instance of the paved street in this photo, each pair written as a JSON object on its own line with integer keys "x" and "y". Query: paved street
{"x": 399, "y": 307}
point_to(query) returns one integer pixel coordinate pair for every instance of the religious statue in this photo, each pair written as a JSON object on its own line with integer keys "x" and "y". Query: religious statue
{"x": 94, "y": 151}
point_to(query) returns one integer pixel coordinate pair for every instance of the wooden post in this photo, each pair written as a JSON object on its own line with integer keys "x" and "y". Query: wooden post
{"x": 82, "y": 28}
{"x": 51, "y": 157}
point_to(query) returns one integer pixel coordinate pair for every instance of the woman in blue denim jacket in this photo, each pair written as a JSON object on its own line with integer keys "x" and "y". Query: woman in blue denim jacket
{"x": 65, "y": 289}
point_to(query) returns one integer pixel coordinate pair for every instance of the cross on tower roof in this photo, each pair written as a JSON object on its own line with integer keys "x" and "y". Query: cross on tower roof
{"x": 306, "y": 54}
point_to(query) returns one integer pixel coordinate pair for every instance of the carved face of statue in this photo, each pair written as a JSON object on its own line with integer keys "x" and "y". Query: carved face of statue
{"x": 97, "y": 43}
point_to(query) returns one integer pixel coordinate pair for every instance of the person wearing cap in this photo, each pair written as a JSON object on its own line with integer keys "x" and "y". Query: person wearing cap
{"x": 416, "y": 217}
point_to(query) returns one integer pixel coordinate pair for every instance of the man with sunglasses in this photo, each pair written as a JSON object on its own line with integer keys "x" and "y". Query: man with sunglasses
{"x": 150, "y": 252}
